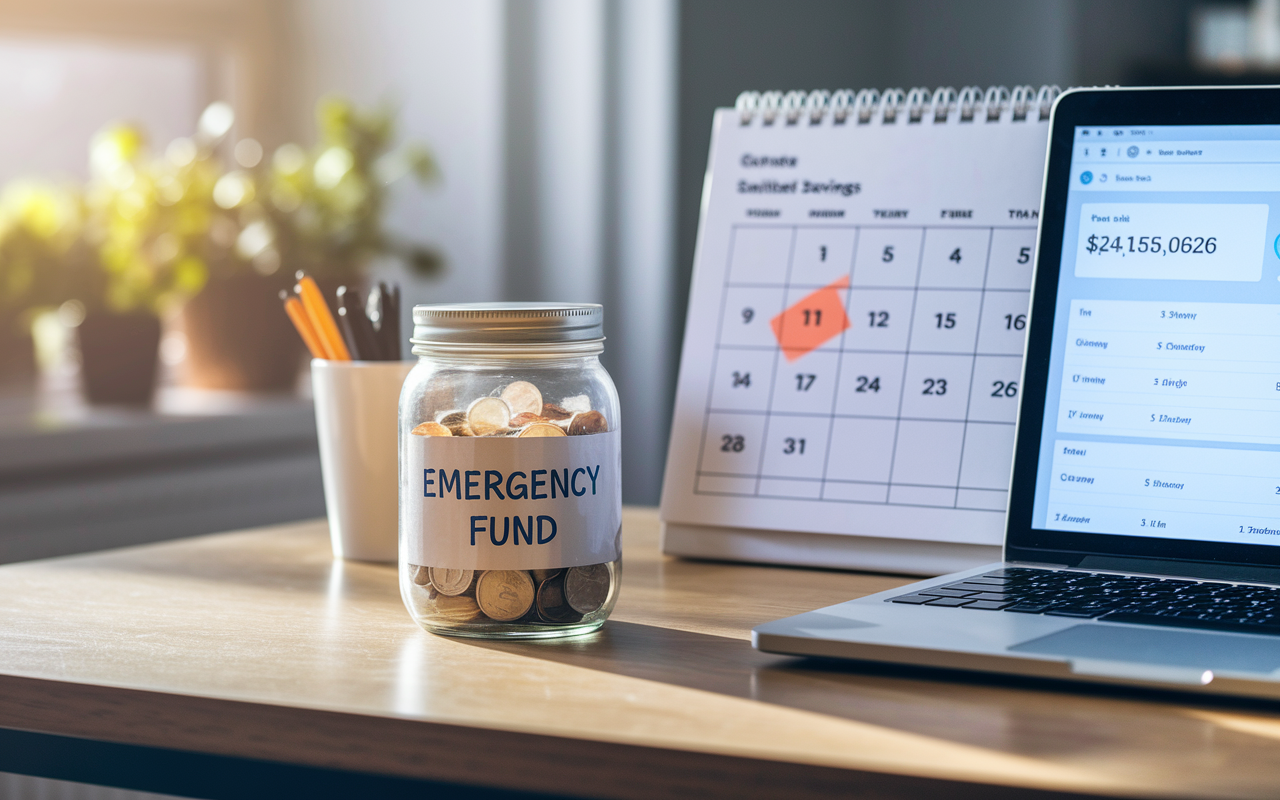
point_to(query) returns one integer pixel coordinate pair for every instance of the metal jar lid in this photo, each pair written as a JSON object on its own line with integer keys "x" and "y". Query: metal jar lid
{"x": 507, "y": 323}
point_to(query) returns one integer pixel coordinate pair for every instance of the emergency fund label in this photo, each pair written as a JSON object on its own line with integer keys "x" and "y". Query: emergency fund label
{"x": 512, "y": 503}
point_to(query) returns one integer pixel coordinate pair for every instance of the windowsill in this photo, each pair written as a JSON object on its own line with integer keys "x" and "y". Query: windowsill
{"x": 75, "y": 478}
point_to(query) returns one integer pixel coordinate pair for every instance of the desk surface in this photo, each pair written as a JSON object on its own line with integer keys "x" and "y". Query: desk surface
{"x": 256, "y": 648}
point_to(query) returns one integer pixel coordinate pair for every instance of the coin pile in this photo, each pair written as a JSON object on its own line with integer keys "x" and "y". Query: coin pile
{"x": 518, "y": 410}
{"x": 549, "y": 596}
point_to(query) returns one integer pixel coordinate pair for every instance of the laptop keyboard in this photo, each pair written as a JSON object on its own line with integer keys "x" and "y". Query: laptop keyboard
{"x": 1111, "y": 598}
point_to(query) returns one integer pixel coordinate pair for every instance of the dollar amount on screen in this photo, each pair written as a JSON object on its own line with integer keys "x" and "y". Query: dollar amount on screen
{"x": 1172, "y": 241}
{"x": 1165, "y": 246}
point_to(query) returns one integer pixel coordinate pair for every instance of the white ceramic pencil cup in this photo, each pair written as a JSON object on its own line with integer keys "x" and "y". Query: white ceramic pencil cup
{"x": 356, "y": 407}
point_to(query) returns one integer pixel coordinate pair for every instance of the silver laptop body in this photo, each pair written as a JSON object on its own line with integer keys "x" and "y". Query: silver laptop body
{"x": 874, "y": 629}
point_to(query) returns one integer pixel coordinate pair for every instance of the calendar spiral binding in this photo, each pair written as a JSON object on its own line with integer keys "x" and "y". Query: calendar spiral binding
{"x": 968, "y": 105}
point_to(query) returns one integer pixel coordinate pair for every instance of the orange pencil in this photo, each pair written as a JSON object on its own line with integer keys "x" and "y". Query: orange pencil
{"x": 322, "y": 319}
{"x": 298, "y": 315}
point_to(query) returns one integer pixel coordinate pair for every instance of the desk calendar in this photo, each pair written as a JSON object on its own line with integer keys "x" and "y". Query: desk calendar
{"x": 853, "y": 351}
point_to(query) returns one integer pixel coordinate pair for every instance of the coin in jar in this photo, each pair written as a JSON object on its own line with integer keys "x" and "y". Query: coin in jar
{"x": 421, "y": 575}
{"x": 505, "y": 594}
{"x": 522, "y": 397}
{"x": 553, "y": 412}
{"x": 488, "y": 415}
{"x": 456, "y": 422}
{"x": 520, "y": 420}
{"x": 431, "y": 429}
{"x": 451, "y": 582}
{"x": 456, "y": 609}
{"x": 542, "y": 429}
{"x": 586, "y": 588}
{"x": 540, "y": 575}
{"x": 552, "y": 606}
{"x": 587, "y": 422}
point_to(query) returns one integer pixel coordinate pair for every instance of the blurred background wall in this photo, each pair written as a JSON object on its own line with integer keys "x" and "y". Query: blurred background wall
{"x": 572, "y": 134}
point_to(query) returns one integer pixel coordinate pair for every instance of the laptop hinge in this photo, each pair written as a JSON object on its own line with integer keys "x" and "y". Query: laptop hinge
{"x": 1183, "y": 569}
{"x": 1039, "y": 564}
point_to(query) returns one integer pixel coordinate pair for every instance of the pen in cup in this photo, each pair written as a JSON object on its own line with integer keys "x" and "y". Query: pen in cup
{"x": 361, "y": 338}
{"x": 366, "y": 329}
{"x": 321, "y": 318}
{"x": 298, "y": 316}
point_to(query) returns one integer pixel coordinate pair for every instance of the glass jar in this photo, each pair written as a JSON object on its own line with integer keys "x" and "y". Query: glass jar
{"x": 510, "y": 484}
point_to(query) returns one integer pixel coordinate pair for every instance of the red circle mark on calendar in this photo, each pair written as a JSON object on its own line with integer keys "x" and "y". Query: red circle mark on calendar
{"x": 812, "y": 321}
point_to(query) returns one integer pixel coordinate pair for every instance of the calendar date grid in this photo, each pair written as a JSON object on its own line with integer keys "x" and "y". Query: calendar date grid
{"x": 908, "y": 400}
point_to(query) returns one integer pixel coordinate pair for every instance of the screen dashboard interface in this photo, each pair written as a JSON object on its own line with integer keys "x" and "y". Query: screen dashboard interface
{"x": 1162, "y": 412}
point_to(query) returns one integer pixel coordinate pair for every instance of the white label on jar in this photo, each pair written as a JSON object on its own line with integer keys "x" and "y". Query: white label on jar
{"x": 512, "y": 503}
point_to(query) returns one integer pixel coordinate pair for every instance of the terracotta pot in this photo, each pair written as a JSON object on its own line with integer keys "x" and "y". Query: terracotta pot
{"x": 239, "y": 338}
{"x": 118, "y": 357}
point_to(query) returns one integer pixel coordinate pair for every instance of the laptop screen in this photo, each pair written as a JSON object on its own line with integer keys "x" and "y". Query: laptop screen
{"x": 1162, "y": 406}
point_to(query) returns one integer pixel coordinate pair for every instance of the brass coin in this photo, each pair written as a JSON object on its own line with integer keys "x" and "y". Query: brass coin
{"x": 451, "y": 582}
{"x": 576, "y": 404}
{"x": 456, "y": 609}
{"x": 552, "y": 606}
{"x": 553, "y": 412}
{"x": 542, "y": 429}
{"x": 456, "y": 422}
{"x": 540, "y": 575}
{"x": 586, "y": 588}
{"x": 488, "y": 415}
{"x": 588, "y": 422}
{"x": 421, "y": 576}
{"x": 431, "y": 429}
{"x": 505, "y": 594}
{"x": 521, "y": 397}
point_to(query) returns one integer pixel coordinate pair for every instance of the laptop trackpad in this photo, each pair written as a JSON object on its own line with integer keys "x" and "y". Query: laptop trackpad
{"x": 1175, "y": 648}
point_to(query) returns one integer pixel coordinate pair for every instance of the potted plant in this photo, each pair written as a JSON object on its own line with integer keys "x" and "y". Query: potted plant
{"x": 144, "y": 228}
{"x": 318, "y": 210}
{"x": 111, "y": 256}
{"x": 40, "y": 226}
{"x": 149, "y": 233}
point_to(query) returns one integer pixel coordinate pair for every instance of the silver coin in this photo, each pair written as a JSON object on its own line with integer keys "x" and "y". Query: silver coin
{"x": 451, "y": 582}
{"x": 586, "y": 588}
{"x": 488, "y": 415}
{"x": 521, "y": 397}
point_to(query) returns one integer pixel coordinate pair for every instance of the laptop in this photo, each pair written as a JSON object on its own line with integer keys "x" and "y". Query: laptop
{"x": 1142, "y": 541}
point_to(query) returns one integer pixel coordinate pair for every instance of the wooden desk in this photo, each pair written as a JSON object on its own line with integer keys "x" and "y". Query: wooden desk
{"x": 250, "y": 664}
